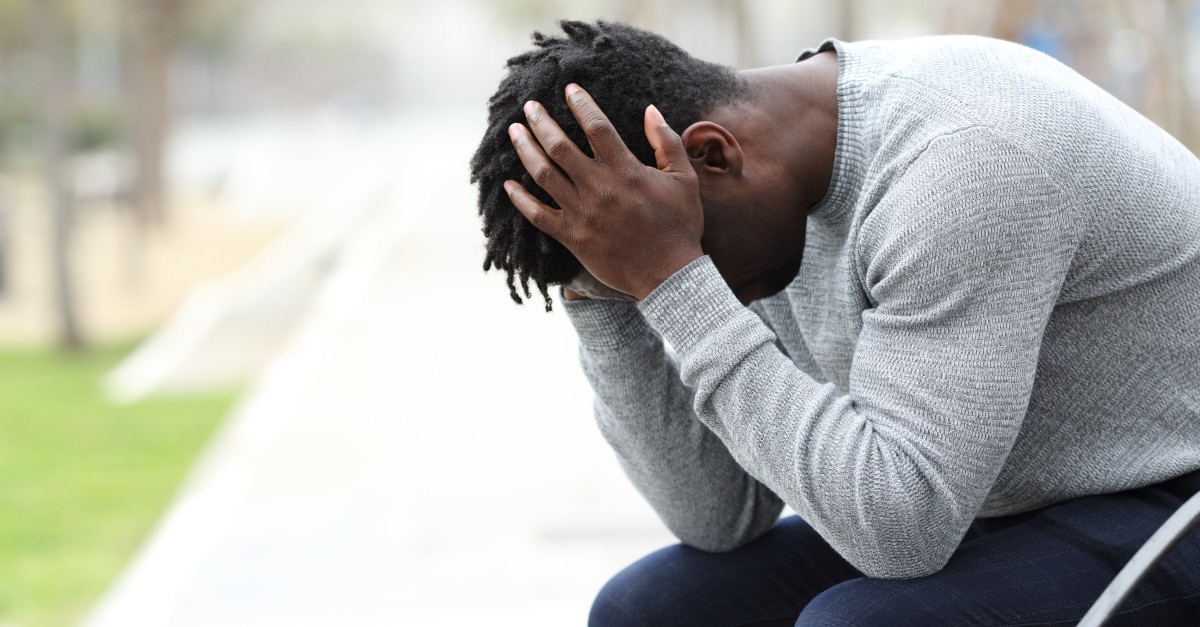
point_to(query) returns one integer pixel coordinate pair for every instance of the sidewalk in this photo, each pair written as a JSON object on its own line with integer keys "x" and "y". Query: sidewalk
{"x": 422, "y": 454}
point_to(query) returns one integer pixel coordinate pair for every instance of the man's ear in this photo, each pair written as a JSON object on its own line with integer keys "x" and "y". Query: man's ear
{"x": 712, "y": 149}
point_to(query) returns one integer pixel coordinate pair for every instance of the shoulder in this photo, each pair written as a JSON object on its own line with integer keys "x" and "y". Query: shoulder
{"x": 953, "y": 81}
{"x": 967, "y": 193}
{"x": 957, "y": 172}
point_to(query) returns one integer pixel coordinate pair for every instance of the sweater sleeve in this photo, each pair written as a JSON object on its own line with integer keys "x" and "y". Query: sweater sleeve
{"x": 963, "y": 258}
{"x": 644, "y": 411}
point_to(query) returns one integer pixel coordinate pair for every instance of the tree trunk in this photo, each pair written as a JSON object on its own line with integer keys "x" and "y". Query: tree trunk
{"x": 51, "y": 47}
{"x": 4, "y": 240}
{"x": 149, "y": 30}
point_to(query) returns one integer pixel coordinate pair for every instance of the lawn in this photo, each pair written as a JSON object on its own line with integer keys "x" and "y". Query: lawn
{"x": 82, "y": 481}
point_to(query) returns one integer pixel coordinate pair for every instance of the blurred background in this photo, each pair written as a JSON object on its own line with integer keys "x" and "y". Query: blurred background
{"x": 251, "y": 372}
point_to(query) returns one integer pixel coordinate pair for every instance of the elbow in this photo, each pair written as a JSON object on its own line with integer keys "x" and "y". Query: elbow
{"x": 714, "y": 544}
{"x": 725, "y": 529}
{"x": 724, "y": 541}
{"x": 903, "y": 569}
{"x": 724, "y": 536}
{"x": 906, "y": 562}
{"x": 901, "y": 563}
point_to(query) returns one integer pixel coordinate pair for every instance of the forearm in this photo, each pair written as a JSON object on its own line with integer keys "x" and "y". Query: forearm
{"x": 645, "y": 413}
{"x": 890, "y": 499}
{"x": 964, "y": 260}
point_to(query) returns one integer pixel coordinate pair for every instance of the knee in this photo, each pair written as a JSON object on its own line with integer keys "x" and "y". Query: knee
{"x": 862, "y": 602}
{"x": 619, "y": 603}
{"x": 641, "y": 594}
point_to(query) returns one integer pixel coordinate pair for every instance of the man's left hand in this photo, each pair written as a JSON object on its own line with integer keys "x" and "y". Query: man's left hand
{"x": 632, "y": 226}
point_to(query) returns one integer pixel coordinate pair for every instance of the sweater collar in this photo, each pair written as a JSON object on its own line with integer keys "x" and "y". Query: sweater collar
{"x": 849, "y": 158}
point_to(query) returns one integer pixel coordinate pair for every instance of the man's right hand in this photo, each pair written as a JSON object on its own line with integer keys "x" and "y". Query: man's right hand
{"x": 587, "y": 287}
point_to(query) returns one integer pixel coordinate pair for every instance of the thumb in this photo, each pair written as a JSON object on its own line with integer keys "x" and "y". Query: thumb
{"x": 669, "y": 153}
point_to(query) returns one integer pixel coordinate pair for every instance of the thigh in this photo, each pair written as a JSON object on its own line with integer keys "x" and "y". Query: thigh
{"x": 767, "y": 582}
{"x": 1046, "y": 570}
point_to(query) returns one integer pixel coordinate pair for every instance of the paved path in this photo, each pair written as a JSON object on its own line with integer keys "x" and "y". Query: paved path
{"x": 423, "y": 453}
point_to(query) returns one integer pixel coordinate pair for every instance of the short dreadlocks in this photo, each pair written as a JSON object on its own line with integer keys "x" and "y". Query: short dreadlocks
{"x": 625, "y": 69}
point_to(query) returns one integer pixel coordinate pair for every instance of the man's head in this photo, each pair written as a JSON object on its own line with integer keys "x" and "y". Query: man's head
{"x": 625, "y": 69}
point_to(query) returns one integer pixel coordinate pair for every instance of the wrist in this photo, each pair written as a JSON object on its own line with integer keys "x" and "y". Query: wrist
{"x": 570, "y": 295}
{"x": 678, "y": 262}
{"x": 609, "y": 325}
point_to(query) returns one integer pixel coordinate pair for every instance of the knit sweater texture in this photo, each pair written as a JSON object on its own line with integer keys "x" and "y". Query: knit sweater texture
{"x": 998, "y": 309}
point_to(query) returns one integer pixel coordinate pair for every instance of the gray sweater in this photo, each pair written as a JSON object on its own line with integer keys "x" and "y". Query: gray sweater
{"x": 998, "y": 309}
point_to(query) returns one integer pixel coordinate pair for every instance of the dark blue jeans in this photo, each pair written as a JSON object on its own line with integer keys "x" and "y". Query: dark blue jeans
{"x": 1044, "y": 567}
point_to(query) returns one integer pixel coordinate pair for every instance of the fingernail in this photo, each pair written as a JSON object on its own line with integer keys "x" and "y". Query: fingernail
{"x": 512, "y": 131}
{"x": 508, "y": 187}
{"x": 573, "y": 89}
{"x": 657, "y": 115}
{"x": 529, "y": 108}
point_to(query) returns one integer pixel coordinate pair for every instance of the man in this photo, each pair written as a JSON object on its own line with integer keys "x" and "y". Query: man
{"x": 940, "y": 296}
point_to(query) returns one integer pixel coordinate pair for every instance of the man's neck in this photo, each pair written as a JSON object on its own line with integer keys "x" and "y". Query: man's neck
{"x": 791, "y": 117}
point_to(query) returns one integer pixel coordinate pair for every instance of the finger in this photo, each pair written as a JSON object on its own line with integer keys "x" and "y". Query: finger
{"x": 539, "y": 166}
{"x": 547, "y": 219}
{"x": 606, "y": 143}
{"x": 669, "y": 153}
{"x": 552, "y": 139}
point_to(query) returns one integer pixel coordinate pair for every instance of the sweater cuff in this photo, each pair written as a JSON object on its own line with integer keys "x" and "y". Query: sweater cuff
{"x": 691, "y": 304}
{"x": 608, "y": 324}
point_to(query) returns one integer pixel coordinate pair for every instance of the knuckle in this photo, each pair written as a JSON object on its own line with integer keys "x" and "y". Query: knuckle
{"x": 538, "y": 219}
{"x": 595, "y": 124}
{"x": 542, "y": 174}
{"x": 558, "y": 149}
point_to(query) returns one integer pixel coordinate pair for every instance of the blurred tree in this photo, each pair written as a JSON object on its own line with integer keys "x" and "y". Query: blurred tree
{"x": 1177, "y": 57}
{"x": 98, "y": 50}
{"x": 51, "y": 47}
{"x": 14, "y": 35}
{"x": 14, "y": 16}
{"x": 150, "y": 29}
{"x": 1136, "y": 49}
{"x": 4, "y": 241}
{"x": 10, "y": 10}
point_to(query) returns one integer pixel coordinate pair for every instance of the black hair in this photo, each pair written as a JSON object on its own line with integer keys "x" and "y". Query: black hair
{"x": 624, "y": 69}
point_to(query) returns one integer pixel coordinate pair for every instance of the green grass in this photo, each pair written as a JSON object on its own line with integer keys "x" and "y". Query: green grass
{"x": 82, "y": 481}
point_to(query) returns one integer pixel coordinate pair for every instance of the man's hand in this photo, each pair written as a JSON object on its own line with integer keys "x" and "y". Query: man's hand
{"x": 630, "y": 225}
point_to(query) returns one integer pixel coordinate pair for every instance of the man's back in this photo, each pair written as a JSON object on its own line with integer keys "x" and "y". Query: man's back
{"x": 986, "y": 277}
{"x": 1115, "y": 401}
